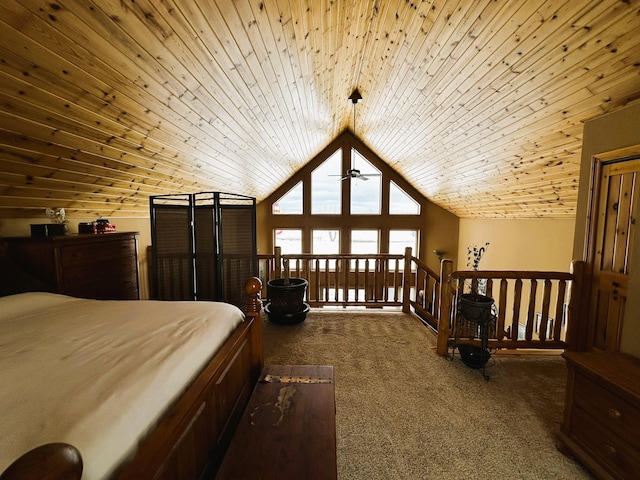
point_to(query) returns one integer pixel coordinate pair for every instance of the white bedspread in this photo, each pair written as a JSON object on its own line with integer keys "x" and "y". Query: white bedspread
{"x": 97, "y": 374}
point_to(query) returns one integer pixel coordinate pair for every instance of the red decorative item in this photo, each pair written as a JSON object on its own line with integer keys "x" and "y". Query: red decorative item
{"x": 103, "y": 226}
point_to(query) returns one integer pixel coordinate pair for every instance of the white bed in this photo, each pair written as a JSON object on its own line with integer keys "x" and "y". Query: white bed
{"x": 99, "y": 374}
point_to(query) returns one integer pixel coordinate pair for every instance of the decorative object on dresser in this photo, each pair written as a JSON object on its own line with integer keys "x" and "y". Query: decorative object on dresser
{"x": 203, "y": 246}
{"x": 103, "y": 267}
{"x": 602, "y": 413}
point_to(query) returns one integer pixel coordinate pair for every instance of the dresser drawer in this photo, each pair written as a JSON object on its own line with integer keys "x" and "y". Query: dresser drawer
{"x": 99, "y": 250}
{"x": 103, "y": 266}
{"x": 608, "y": 409}
{"x": 102, "y": 280}
{"x": 612, "y": 451}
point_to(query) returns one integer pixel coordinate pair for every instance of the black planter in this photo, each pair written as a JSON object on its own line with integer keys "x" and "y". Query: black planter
{"x": 286, "y": 300}
{"x": 475, "y": 307}
{"x": 473, "y": 356}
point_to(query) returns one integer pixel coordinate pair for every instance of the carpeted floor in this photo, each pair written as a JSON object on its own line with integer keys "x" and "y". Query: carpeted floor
{"x": 405, "y": 413}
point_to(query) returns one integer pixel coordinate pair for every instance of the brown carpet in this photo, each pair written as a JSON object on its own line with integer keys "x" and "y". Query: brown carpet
{"x": 405, "y": 413}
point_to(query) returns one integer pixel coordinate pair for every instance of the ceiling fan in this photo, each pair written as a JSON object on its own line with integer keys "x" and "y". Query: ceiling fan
{"x": 353, "y": 172}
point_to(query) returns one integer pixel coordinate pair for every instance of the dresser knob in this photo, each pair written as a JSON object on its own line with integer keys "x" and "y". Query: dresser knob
{"x": 613, "y": 413}
{"x": 610, "y": 450}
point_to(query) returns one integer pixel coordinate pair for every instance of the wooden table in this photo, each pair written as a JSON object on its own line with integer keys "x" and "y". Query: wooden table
{"x": 288, "y": 430}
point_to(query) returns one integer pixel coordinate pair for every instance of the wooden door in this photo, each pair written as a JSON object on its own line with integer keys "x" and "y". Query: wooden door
{"x": 614, "y": 207}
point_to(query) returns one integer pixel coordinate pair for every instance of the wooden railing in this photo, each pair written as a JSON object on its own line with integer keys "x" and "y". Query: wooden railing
{"x": 533, "y": 310}
{"x": 538, "y": 310}
{"x": 371, "y": 281}
{"x": 424, "y": 295}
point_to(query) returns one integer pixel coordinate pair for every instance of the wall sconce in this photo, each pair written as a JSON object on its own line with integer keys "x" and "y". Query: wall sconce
{"x": 439, "y": 254}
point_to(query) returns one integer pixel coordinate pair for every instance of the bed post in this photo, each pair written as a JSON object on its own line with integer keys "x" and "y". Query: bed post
{"x": 252, "y": 311}
{"x": 53, "y": 461}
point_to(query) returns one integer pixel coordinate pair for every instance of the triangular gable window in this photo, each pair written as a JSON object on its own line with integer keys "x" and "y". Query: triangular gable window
{"x": 290, "y": 203}
{"x": 400, "y": 203}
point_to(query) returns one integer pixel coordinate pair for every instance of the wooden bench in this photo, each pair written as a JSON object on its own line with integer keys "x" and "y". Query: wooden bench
{"x": 288, "y": 430}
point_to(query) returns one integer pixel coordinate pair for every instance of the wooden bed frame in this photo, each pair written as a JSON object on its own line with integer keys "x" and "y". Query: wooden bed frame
{"x": 191, "y": 438}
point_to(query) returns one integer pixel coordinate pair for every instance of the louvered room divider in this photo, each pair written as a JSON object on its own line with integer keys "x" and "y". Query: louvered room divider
{"x": 203, "y": 246}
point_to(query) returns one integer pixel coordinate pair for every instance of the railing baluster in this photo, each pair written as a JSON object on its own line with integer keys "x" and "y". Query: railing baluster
{"x": 316, "y": 276}
{"x": 396, "y": 275}
{"x": 357, "y": 280}
{"x": 345, "y": 286}
{"x": 546, "y": 300}
{"x": 327, "y": 296}
{"x": 337, "y": 281}
{"x": 531, "y": 311}
{"x": 517, "y": 299}
{"x": 502, "y": 309}
{"x": 560, "y": 311}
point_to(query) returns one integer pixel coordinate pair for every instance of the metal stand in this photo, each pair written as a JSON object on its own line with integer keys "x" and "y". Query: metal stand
{"x": 478, "y": 311}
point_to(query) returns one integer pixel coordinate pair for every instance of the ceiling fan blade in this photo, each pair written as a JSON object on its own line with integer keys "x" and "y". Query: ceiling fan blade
{"x": 363, "y": 177}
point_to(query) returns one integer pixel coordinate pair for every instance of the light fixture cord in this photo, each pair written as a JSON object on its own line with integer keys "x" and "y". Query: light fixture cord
{"x": 354, "y": 118}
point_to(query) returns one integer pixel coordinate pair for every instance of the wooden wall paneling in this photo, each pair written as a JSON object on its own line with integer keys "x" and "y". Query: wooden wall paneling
{"x": 108, "y": 137}
{"x": 76, "y": 161}
{"x": 208, "y": 94}
{"x": 443, "y": 51}
{"x": 408, "y": 36}
{"x": 173, "y": 55}
{"x": 227, "y": 74}
{"x": 427, "y": 59}
{"x": 308, "y": 76}
{"x": 191, "y": 157}
{"x": 252, "y": 44}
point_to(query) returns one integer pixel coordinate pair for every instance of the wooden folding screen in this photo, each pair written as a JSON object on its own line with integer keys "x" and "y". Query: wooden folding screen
{"x": 203, "y": 246}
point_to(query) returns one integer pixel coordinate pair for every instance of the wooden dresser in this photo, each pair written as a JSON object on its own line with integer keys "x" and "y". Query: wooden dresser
{"x": 101, "y": 266}
{"x": 601, "y": 425}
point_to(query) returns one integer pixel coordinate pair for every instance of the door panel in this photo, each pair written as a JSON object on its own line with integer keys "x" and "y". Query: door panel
{"x": 615, "y": 217}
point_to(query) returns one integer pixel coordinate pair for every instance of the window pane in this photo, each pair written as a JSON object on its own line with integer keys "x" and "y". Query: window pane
{"x": 290, "y": 203}
{"x": 400, "y": 203}
{"x": 326, "y": 242}
{"x": 399, "y": 240}
{"x": 326, "y": 190}
{"x": 366, "y": 189}
{"x": 364, "y": 242}
{"x": 289, "y": 240}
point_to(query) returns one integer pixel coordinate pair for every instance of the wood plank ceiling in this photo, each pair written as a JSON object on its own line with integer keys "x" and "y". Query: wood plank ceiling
{"x": 479, "y": 104}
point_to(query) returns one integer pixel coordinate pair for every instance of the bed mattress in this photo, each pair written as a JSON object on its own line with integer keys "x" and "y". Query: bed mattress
{"x": 98, "y": 374}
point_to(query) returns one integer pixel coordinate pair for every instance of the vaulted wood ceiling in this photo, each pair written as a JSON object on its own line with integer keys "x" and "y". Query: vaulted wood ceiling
{"x": 479, "y": 104}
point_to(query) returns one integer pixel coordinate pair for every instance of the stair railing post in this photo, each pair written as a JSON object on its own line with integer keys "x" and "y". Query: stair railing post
{"x": 406, "y": 281}
{"x": 578, "y": 311}
{"x": 444, "y": 315}
{"x": 278, "y": 261}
